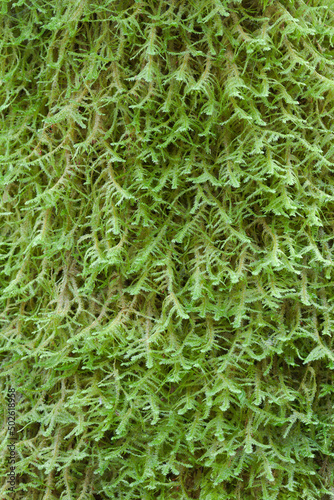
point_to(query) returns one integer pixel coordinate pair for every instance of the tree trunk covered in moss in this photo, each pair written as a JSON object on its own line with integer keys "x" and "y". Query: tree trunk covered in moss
{"x": 166, "y": 266}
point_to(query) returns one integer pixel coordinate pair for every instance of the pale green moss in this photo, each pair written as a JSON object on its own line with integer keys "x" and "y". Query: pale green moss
{"x": 166, "y": 268}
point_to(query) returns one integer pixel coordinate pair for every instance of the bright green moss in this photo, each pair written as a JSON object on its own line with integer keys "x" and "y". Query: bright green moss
{"x": 166, "y": 267}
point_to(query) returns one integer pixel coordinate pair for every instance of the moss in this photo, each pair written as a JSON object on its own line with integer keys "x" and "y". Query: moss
{"x": 166, "y": 269}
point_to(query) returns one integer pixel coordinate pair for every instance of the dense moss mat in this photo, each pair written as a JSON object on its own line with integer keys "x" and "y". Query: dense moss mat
{"x": 166, "y": 264}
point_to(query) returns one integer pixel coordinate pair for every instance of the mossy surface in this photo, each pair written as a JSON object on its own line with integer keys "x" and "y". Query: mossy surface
{"x": 166, "y": 251}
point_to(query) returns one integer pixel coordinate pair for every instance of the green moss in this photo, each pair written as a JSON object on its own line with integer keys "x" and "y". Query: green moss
{"x": 166, "y": 268}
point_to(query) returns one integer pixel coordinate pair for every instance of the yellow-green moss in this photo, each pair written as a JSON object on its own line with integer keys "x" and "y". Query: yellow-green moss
{"x": 166, "y": 267}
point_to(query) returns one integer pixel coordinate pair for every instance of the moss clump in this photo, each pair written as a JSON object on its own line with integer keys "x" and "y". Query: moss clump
{"x": 166, "y": 267}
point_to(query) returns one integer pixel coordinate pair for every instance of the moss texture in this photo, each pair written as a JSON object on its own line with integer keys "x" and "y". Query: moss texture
{"x": 166, "y": 263}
